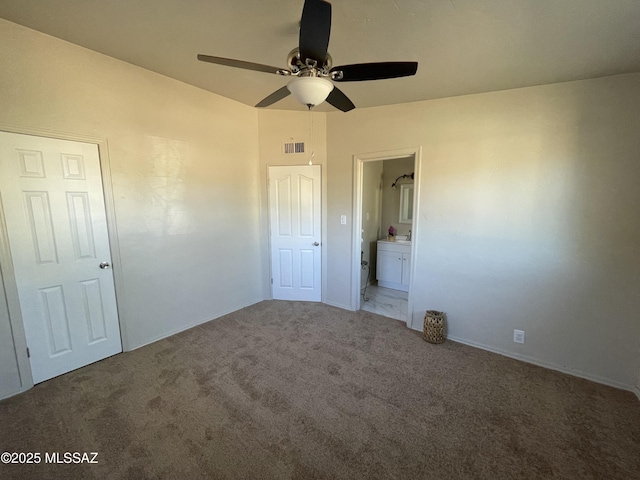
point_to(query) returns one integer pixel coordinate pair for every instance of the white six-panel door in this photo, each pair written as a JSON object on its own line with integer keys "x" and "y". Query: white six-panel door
{"x": 295, "y": 225}
{"x": 53, "y": 204}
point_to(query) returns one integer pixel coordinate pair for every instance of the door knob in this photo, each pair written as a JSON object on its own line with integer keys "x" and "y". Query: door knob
{"x": 315, "y": 244}
{"x": 104, "y": 265}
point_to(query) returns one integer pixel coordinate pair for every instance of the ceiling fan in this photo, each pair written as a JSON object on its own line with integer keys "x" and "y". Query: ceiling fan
{"x": 311, "y": 65}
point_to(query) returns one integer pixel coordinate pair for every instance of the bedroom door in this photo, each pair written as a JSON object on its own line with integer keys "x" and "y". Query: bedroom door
{"x": 295, "y": 232}
{"x": 52, "y": 200}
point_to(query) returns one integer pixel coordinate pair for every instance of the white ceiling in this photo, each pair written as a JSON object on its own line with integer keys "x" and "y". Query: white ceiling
{"x": 462, "y": 46}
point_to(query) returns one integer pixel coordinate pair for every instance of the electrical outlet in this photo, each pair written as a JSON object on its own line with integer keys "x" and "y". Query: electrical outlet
{"x": 518, "y": 336}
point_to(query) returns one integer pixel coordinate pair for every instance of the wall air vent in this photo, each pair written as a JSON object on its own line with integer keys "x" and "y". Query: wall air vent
{"x": 292, "y": 147}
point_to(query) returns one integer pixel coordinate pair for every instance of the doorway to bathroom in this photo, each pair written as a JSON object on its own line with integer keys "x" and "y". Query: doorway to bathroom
{"x": 385, "y": 227}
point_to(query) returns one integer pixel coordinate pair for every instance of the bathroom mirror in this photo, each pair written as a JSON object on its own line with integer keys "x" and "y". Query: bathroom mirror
{"x": 406, "y": 203}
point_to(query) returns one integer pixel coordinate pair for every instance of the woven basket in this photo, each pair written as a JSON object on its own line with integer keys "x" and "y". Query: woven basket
{"x": 434, "y": 326}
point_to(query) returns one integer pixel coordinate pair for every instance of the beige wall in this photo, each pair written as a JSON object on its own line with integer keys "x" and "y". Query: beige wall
{"x": 185, "y": 173}
{"x": 528, "y": 218}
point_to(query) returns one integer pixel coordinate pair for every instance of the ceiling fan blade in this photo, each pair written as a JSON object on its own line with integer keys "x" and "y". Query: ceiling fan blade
{"x": 339, "y": 100}
{"x": 315, "y": 28}
{"x": 374, "y": 71}
{"x": 274, "y": 97}
{"x": 230, "y": 62}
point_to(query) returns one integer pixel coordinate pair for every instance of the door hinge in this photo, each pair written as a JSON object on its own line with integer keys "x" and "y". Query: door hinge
{"x": 272, "y": 281}
{"x": 28, "y": 353}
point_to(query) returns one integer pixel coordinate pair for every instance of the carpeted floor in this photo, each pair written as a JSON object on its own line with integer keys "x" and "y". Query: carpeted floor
{"x": 285, "y": 390}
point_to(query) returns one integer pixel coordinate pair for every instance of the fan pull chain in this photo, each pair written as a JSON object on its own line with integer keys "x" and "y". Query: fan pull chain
{"x": 311, "y": 139}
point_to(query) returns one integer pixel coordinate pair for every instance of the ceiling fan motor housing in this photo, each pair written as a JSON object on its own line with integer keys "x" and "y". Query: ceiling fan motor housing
{"x": 298, "y": 67}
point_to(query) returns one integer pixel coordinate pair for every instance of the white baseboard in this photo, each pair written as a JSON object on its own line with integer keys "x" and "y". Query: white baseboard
{"x": 339, "y": 305}
{"x": 16, "y": 392}
{"x": 550, "y": 366}
{"x": 194, "y": 324}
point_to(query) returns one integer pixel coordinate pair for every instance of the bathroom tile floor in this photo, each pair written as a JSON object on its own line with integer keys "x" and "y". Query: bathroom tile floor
{"x": 386, "y": 301}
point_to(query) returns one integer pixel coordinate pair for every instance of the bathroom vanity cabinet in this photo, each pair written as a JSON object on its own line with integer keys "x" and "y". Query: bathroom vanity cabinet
{"x": 394, "y": 265}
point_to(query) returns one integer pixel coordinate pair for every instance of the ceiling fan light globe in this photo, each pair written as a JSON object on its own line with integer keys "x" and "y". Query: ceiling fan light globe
{"x": 310, "y": 90}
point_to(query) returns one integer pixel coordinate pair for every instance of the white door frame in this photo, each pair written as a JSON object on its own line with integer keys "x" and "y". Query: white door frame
{"x": 358, "y": 167}
{"x": 6, "y": 263}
